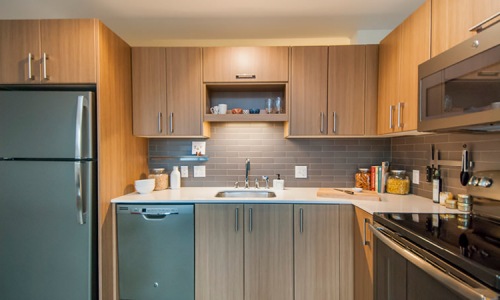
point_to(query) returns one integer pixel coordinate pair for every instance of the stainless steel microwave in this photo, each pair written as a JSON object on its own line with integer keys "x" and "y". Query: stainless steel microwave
{"x": 460, "y": 88}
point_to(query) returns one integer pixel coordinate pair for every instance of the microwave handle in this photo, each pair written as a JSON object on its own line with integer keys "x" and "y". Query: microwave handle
{"x": 445, "y": 279}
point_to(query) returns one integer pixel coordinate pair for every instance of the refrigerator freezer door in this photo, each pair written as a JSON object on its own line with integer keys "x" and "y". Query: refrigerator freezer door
{"x": 46, "y": 124}
{"x": 45, "y": 253}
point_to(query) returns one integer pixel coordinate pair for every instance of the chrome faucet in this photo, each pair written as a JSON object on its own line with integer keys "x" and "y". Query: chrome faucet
{"x": 247, "y": 169}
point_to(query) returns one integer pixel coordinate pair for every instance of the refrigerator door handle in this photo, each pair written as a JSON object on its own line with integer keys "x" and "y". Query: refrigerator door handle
{"x": 79, "y": 194}
{"x": 83, "y": 103}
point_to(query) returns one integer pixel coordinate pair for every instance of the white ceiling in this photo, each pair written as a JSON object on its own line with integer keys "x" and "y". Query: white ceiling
{"x": 191, "y": 22}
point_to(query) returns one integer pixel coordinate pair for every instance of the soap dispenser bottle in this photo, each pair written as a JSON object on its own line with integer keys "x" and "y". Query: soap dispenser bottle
{"x": 278, "y": 184}
{"x": 175, "y": 178}
{"x": 436, "y": 186}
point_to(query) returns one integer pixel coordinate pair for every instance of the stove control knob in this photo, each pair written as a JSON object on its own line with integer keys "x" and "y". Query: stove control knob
{"x": 473, "y": 181}
{"x": 485, "y": 182}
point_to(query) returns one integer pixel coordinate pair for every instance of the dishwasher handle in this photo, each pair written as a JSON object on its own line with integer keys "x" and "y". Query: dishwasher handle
{"x": 156, "y": 215}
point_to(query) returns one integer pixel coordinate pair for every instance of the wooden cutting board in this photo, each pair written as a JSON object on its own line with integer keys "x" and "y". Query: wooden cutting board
{"x": 364, "y": 195}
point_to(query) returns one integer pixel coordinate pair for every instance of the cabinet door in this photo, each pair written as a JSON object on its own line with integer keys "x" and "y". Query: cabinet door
{"x": 71, "y": 50}
{"x": 363, "y": 256}
{"x": 19, "y": 39}
{"x": 452, "y": 19}
{"x": 219, "y": 252}
{"x": 269, "y": 252}
{"x": 415, "y": 49}
{"x": 184, "y": 95}
{"x": 389, "y": 273}
{"x": 245, "y": 64}
{"x": 149, "y": 91}
{"x": 309, "y": 85}
{"x": 346, "y": 90}
{"x": 388, "y": 89}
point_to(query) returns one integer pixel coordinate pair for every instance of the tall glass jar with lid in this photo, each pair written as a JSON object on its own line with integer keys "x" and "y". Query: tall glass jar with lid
{"x": 160, "y": 177}
{"x": 363, "y": 179}
{"x": 398, "y": 182}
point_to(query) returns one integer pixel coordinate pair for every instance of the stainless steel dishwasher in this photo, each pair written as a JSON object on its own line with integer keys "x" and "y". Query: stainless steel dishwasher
{"x": 155, "y": 252}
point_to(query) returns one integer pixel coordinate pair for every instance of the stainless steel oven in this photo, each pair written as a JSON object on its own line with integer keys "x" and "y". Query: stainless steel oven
{"x": 441, "y": 256}
{"x": 460, "y": 88}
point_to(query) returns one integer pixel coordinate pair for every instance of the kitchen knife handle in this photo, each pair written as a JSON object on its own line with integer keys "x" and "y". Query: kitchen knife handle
{"x": 30, "y": 59}
{"x": 44, "y": 62}
{"x": 82, "y": 104}
{"x": 79, "y": 197}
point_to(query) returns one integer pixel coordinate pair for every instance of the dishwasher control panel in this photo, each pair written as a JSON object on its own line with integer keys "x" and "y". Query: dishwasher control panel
{"x": 148, "y": 210}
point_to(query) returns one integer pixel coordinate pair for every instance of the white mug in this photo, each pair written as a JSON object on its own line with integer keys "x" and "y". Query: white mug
{"x": 222, "y": 109}
{"x": 214, "y": 110}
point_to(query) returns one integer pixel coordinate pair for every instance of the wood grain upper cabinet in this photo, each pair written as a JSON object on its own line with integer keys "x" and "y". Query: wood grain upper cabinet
{"x": 323, "y": 253}
{"x": 400, "y": 54}
{"x": 352, "y": 90}
{"x": 245, "y": 64}
{"x": 452, "y": 19}
{"x": 167, "y": 92}
{"x": 48, "y": 51}
{"x": 309, "y": 91}
{"x": 363, "y": 256}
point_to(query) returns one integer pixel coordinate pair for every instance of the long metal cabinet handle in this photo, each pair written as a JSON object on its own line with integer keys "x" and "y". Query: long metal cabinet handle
{"x": 83, "y": 103}
{"x": 246, "y": 76}
{"x": 159, "y": 122}
{"x": 400, "y": 117}
{"x": 301, "y": 220}
{"x": 365, "y": 221}
{"x": 236, "y": 221}
{"x": 30, "y": 75}
{"x": 79, "y": 197}
{"x": 250, "y": 219}
{"x": 479, "y": 27}
{"x": 391, "y": 108}
{"x": 44, "y": 62}
{"x": 322, "y": 122}
{"x": 171, "y": 122}
{"x": 447, "y": 280}
{"x": 334, "y": 122}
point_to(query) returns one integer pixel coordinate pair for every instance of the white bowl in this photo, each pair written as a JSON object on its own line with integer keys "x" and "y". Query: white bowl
{"x": 357, "y": 190}
{"x": 144, "y": 186}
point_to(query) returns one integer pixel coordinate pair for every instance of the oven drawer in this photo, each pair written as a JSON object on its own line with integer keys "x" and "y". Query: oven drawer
{"x": 401, "y": 272}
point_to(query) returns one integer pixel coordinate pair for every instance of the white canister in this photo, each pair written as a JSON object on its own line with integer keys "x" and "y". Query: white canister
{"x": 222, "y": 109}
{"x": 175, "y": 178}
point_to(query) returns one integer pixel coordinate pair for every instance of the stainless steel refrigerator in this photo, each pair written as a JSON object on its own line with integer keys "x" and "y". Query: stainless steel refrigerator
{"x": 48, "y": 237}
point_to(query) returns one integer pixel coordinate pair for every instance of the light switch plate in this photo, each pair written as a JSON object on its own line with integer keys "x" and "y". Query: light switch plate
{"x": 300, "y": 171}
{"x": 416, "y": 176}
{"x": 184, "y": 171}
{"x": 199, "y": 171}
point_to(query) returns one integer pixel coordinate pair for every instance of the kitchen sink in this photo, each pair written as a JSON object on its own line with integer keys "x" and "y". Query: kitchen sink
{"x": 245, "y": 194}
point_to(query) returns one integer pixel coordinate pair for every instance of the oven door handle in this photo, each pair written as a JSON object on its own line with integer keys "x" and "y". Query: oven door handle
{"x": 452, "y": 283}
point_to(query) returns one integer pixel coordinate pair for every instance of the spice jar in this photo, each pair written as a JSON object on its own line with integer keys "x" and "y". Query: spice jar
{"x": 363, "y": 179}
{"x": 398, "y": 182}
{"x": 161, "y": 179}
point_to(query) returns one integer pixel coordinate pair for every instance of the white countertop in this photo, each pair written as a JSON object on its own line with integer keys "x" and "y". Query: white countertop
{"x": 388, "y": 203}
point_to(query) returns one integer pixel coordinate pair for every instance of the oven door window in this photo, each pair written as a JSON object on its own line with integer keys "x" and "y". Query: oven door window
{"x": 470, "y": 86}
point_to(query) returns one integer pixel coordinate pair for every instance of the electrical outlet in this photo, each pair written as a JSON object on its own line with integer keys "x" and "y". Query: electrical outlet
{"x": 199, "y": 171}
{"x": 184, "y": 171}
{"x": 300, "y": 171}
{"x": 416, "y": 176}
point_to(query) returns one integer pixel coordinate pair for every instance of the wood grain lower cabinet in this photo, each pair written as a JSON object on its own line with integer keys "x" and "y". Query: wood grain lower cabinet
{"x": 323, "y": 253}
{"x": 237, "y": 259}
{"x": 363, "y": 255}
{"x": 167, "y": 92}
{"x": 48, "y": 51}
